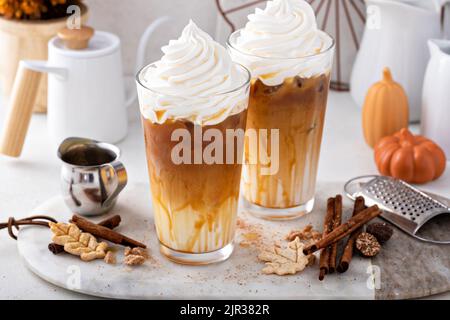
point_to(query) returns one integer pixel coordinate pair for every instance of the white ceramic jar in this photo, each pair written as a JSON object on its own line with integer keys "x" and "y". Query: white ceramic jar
{"x": 436, "y": 95}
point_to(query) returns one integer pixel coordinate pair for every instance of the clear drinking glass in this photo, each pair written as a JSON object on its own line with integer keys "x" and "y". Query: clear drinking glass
{"x": 195, "y": 204}
{"x": 296, "y": 108}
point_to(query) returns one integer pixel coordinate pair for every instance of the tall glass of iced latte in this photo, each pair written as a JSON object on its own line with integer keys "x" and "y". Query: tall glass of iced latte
{"x": 290, "y": 62}
{"x": 194, "y": 108}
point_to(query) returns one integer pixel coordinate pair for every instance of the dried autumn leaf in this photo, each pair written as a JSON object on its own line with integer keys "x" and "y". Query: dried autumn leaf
{"x": 283, "y": 261}
{"x": 78, "y": 243}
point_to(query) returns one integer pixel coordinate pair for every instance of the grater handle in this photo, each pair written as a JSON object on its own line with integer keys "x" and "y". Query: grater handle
{"x": 353, "y": 186}
{"x": 446, "y": 202}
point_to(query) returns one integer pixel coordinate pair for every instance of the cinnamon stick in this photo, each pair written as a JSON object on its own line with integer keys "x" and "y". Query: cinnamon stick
{"x": 322, "y": 271}
{"x": 344, "y": 229}
{"x": 55, "y": 248}
{"x": 348, "y": 249}
{"x": 105, "y": 233}
{"x": 327, "y": 227}
{"x": 110, "y": 223}
{"x": 337, "y": 219}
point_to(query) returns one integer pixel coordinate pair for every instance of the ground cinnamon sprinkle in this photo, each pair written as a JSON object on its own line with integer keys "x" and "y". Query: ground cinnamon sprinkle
{"x": 251, "y": 234}
{"x": 250, "y": 239}
{"x": 241, "y": 223}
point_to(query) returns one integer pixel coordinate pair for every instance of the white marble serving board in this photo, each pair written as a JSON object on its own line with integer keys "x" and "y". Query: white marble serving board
{"x": 238, "y": 278}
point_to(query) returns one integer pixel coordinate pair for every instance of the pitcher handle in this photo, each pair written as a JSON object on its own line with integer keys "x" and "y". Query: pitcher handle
{"x": 140, "y": 56}
{"x": 120, "y": 172}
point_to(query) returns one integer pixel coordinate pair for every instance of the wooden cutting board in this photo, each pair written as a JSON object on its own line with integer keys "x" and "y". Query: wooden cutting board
{"x": 407, "y": 268}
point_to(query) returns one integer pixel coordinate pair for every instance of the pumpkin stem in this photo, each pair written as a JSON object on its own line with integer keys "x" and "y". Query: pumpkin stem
{"x": 406, "y": 135}
{"x": 387, "y": 76}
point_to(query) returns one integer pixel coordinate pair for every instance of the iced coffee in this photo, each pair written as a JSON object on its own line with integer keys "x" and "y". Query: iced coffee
{"x": 194, "y": 109}
{"x": 290, "y": 62}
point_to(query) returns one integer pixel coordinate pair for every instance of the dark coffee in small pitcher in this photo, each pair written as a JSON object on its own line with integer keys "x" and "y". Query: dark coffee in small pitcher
{"x": 91, "y": 175}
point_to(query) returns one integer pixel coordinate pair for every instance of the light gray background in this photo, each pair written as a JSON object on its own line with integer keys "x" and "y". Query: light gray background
{"x": 129, "y": 18}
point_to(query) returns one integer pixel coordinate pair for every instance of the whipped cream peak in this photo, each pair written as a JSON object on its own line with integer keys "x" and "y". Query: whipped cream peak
{"x": 195, "y": 80}
{"x": 283, "y": 31}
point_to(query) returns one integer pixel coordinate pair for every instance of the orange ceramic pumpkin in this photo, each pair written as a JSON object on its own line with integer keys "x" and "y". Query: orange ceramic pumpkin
{"x": 414, "y": 159}
{"x": 385, "y": 109}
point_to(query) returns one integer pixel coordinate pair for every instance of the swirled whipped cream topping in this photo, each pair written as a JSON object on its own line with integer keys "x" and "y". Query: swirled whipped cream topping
{"x": 195, "y": 80}
{"x": 276, "y": 36}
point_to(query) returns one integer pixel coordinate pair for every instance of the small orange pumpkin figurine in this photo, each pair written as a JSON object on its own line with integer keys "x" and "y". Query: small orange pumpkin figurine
{"x": 385, "y": 109}
{"x": 414, "y": 159}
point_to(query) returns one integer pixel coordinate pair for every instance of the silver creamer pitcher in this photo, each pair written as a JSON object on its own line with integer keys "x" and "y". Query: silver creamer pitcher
{"x": 91, "y": 175}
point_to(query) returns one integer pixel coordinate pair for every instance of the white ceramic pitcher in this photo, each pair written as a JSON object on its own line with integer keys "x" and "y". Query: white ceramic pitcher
{"x": 436, "y": 95}
{"x": 395, "y": 36}
{"x": 86, "y": 92}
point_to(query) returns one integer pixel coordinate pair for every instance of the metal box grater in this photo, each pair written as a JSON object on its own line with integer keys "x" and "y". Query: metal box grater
{"x": 403, "y": 205}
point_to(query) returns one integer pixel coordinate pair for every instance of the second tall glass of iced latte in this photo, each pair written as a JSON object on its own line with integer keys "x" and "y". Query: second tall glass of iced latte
{"x": 290, "y": 61}
{"x": 194, "y": 108}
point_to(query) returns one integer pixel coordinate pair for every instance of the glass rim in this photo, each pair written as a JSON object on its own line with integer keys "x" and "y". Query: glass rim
{"x": 313, "y": 55}
{"x": 247, "y": 73}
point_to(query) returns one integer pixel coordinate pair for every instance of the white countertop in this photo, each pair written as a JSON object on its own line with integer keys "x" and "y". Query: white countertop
{"x": 34, "y": 177}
